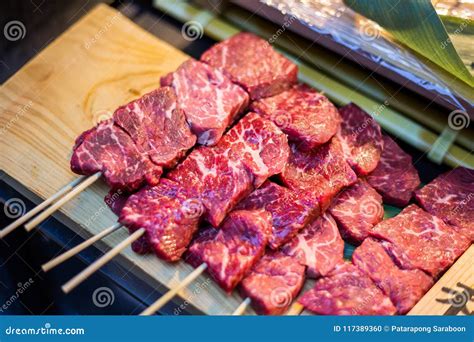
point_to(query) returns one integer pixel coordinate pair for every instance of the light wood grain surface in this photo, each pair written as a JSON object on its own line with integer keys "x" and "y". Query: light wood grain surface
{"x": 101, "y": 62}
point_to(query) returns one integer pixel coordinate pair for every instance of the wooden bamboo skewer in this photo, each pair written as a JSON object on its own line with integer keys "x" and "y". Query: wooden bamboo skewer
{"x": 86, "y": 273}
{"x": 242, "y": 307}
{"x": 295, "y": 309}
{"x": 172, "y": 292}
{"x": 73, "y": 193}
{"x": 79, "y": 248}
{"x": 17, "y": 223}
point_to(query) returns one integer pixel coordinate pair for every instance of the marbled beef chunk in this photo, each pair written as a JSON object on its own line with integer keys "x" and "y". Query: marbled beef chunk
{"x": 252, "y": 63}
{"x": 318, "y": 246}
{"x": 419, "y": 240}
{"x": 404, "y": 287}
{"x": 259, "y": 145}
{"x": 169, "y": 214}
{"x": 451, "y": 198}
{"x": 273, "y": 283}
{"x": 290, "y": 213}
{"x": 110, "y": 150}
{"x": 395, "y": 177}
{"x": 208, "y": 98}
{"x": 222, "y": 175}
{"x": 361, "y": 139}
{"x": 356, "y": 210}
{"x": 306, "y": 116}
{"x": 347, "y": 291}
{"x": 322, "y": 172}
{"x": 232, "y": 250}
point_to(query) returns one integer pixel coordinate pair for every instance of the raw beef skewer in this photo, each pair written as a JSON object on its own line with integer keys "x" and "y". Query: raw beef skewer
{"x": 17, "y": 223}
{"x": 254, "y": 142}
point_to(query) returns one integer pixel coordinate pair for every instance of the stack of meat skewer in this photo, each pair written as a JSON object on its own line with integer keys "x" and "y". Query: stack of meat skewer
{"x": 242, "y": 172}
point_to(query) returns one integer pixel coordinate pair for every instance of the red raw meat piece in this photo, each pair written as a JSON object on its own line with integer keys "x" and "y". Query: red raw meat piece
{"x": 290, "y": 213}
{"x": 356, "y": 210}
{"x": 232, "y": 250}
{"x": 253, "y": 64}
{"x": 419, "y": 240}
{"x": 108, "y": 149}
{"x": 361, "y": 139}
{"x": 404, "y": 287}
{"x": 209, "y": 99}
{"x": 272, "y": 283}
{"x": 451, "y": 198}
{"x": 395, "y": 177}
{"x": 347, "y": 291}
{"x": 157, "y": 126}
{"x": 217, "y": 181}
{"x": 306, "y": 116}
{"x": 318, "y": 246}
{"x": 323, "y": 172}
{"x": 168, "y": 213}
{"x": 116, "y": 200}
{"x": 259, "y": 144}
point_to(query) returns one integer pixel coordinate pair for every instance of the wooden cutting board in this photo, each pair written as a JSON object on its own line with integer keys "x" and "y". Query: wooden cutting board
{"x": 101, "y": 62}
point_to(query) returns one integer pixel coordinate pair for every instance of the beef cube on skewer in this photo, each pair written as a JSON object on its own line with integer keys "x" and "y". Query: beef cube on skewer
{"x": 347, "y": 291}
{"x": 322, "y": 172}
{"x": 318, "y": 246}
{"x": 208, "y": 98}
{"x": 404, "y": 287}
{"x": 395, "y": 177}
{"x": 157, "y": 126}
{"x": 273, "y": 283}
{"x": 132, "y": 148}
{"x": 169, "y": 215}
{"x": 361, "y": 139}
{"x": 306, "y": 116}
{"x": 419, "y": 240}
{"x": 232, "y": 250}
{"x": 451, "y": 198}
{"x": 107, "y": 148}
{"x": 249, "y": 153}
{"x": 290, "y": 213}
{"x": 252, "y": 63}
{"x": 356, "y": 210}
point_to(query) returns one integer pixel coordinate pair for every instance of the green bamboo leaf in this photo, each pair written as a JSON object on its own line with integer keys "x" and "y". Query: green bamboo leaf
{"x": 416, "y": 24}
